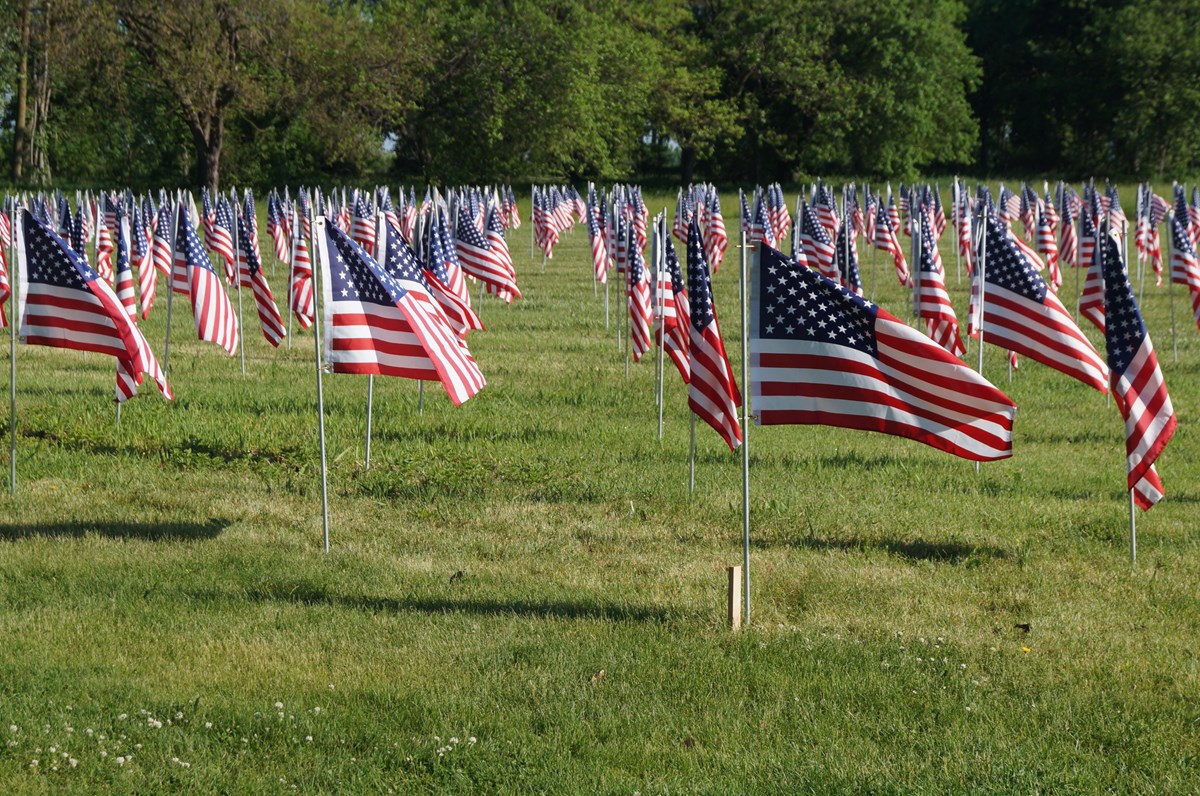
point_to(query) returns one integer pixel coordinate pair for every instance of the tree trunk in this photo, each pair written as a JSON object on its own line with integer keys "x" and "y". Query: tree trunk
{"x": 207, "y": 137}
{"x": 21, "y": 134}
{"x": 687, "y": 165}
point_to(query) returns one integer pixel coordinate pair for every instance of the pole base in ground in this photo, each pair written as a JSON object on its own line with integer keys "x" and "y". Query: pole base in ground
{"x": 734, "y": 599}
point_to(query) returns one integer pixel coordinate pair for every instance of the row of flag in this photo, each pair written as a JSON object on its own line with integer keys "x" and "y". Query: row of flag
{"x": 822, "y": 353}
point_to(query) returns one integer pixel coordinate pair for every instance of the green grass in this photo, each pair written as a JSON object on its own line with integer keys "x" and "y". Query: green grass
{"x": 498, "y": 557}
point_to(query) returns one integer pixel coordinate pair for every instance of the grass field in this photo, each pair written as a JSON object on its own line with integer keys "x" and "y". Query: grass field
{"x": 522, "y": 597}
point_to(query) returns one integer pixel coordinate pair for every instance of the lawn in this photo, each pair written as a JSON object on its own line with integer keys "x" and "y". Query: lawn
{"x": 521, "y": 595}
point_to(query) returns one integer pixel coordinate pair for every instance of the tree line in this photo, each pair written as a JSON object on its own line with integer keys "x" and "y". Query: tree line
{"x": 146, "y": 93}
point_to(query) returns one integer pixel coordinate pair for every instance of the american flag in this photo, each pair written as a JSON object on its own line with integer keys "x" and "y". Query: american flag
{"x": 1157, "y": 211}
{"x": 712, "y": 393}
{"x": 210, "y": 218}
{"x": 161, "y": 248}
{"x": 760, "y": 229}
{"x": 456, "y": 309}
{"x": 777, "y": 212}
{"x": 1137, "y": 381}
{"x": 373, "y": 325}
{"x": 221, "y": 242}
{"x": 493, "y": 231}
{"x": 885, "y": 241}
{"x": 674, "y": 311}
{"x": 716, "y": 239}
{"x": 444, "y": 259}
{"x": 215, "y": 317}
{"x": 251, "y": 275}
{"x": 277, "y": 228}
{"x": 78, "y": 239}
{"x": 1022, "y": 314}
{"x": 847, "y": 261}
{"x": 892, "y": 215}
{"x": 402, "y": 263}
{"x": 595, "y": 226}
{"x": 362, "y": 228}
{"x": 124, "y": 271}
{"x": 825, "y": 209}
{"x": 1068, "y": 242}
{"x": 64, "y": 304}
{"x": 1091, "y": 300}
{"x": 1048, "y": 248}
{"x": 104, "y": 246}
{"x": 300, "y": 292}
{"x": 5, "y": 242}
{"x": 147, "y": 275}
{"x": 820, "y": 355}
{"x": 819, "y": 250}
{"x": 933, "y": 302}
{"x": 1185, "y": 269}
{"x": 637, "y": 292}
{"x": 682, "y": 217}
{"x": 1193, "y": 214}
{"x": 487, "y": 263}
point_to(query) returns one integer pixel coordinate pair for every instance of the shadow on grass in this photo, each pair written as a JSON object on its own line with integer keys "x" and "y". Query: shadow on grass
{"x": 910, "y": 550}
{"x": 305, "y": 594}
{"x": 151, "y": 531}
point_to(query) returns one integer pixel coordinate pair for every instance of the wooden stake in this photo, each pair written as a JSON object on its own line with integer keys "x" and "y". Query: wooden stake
{"x": 733, "y": 600}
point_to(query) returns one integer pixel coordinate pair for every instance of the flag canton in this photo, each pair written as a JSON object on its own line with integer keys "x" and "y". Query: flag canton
{"x": 814, "y": 230}
{"x": 673, "y": 269}
{"x": 400, "y": 262}
{"x": 224, "y": 215}
{"x": 355, "y": 276}
{"x": 799, "y": 304}
{"x": 468, "y": 233}
{"x": 438, "y": 257}
{"x": 493, "y": 220}
{"x": 1008, "y": 268}
{"x": 246, "y": 247}
{"x": 122, "y": 244}
{"x": 193, "y": 250}
{"x": 699, "y": 287}
{"x": 1179, "y": 236}
{"x": 929, "y": 245}
{"x": 51, "y": 261}
{"x": 1124, "y": 331}
{"x": 637, "y": 268}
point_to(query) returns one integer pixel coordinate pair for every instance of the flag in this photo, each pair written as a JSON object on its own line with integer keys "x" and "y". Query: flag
{"x": 819, "y": 250}
{"x": 1068, "y": 242}
{"x": 712, "y": 393}
{"x": 637, "y": 292}
{"x": 821, "y": 355}
{"x": 216, "y": 320}
{"x": 251, "y": 275}
{"x": 716, "y": 239}
{"x": 104, "y": 247}
{"x": 933, "y": 302}
{"x": 675, "y": 315}
{"x": 373, "y": 325}
{"x": 1184, "y": 266}
{"x": 847, "y": 261}
{"x": 64, "y": 304}
{"x": 300, "y": 292}
{"x": 595, "y": 226}
{"x": 1137, "y": 382}
{"x": 277, "y": 228}
{"x": 5, "y": 242}
{"x": 760, "y": 230}
{"x": 493, "y": 232}
{"x": 1091, "y": 300}
{"x": 221, "y": 241}
{"x": 885, "y": 241}
{"x": 401, "y": 262}
{"x": 485, "y": 262}
{"x": 123, "y": 271}
{"x": 1048, "y": 248}
{"x": 1022, "y": 314}
{"x": 362, "y": 228}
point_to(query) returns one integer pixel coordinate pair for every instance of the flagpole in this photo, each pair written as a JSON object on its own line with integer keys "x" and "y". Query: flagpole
{"x": 237, "y": 277}
{"x": 916, "y": 256}
{"x": 14, "y": 282}
{"x": 1171, "y": 282}
{"x": 316, "y": 227}
{"x": 170, "y": 281}
{"x": 745, "y": 314}
{"x": 421, "y": 397}
{"x": 532, "y": 225}
{"x": 981, "y": 275}
{"x": 1132, "y": 531}
{"x": 296, "y": 231}
{"x": 660, "y": 229}
{"x": 1078, "y": 257}
{"x": 692, "y": 455}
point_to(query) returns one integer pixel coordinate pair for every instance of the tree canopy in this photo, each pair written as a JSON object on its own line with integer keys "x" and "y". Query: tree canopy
{"x": 142, "y": 93}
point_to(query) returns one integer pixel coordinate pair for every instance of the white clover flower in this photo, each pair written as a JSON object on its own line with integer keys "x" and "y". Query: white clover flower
{"x": 178, "y": 714}
{"x": 471, "y": 740}
{"x": 122, "y": 717}
{"x": 13, "y": 728}
{"x": 308, "y": 738}
{"x": 208, "y": 725}
{"x": 278, "y": 705}
{"x": 121, "y": 760}
{"x": 73, "y": 762}
{"x": 103, "y": 753}
{"x": 317, "y": 710}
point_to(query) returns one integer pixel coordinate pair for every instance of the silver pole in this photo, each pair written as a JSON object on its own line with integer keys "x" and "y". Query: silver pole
{"x": 14, "y": 321}
{"x": 297, "y": 230}
{"x": 660, "y": 259}
{"x": 1171, "y": 284}
{"x": 320, "y": 402}
{"x": 981, "y": 274}
{"x": 745, "y": 311}
{"x": 420, "y": 397}
{"x": 174, "y": 232}
{"x": 1132, "y": 531}
{"x": 370, "y": 407}
{"x": 692, "y": 456}
{"x": 532, "y": 218}
{"x": 916, "y": 257}
{"x": 237, "y": 277}
{"x": 606, "y": 303}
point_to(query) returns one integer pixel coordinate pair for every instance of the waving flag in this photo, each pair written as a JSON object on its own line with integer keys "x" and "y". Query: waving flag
{"x": 1137, "y": 382}
{"x": 64, "y": 304}
{"x": 885, "y": 241}
{"x": 487, "y": 263}
{"x": 251, "y": 275}
{"x": 1023, "y": 315}
{"x": 819, "y": 250}
{"x": 675, "y": 313}
{"x": 821, "y": 355}
{"x": 847, "y": 261}
{"x": 300, "y": 292}
{"x": 124, "y": 272}
{"x": 402, "y": 264}
{"x": 277, "y": 228}
{"x": 712, "y": 393}
{"x": 373, "y": 325}
{"x": 716, "y": 239}
{"x": 637, "y": 291}
{"x": 760, "y": 229}
{"x": 362, "y": 228}
{"x": 1048, "y": 248}
{"x": 595, "y": 226}
{"x": 216, "y": 320}
{"x": 1068, "y": 242}
{"x": 933, "y": 302}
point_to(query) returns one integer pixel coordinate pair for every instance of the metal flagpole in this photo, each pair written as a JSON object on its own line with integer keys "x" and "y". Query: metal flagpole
{"x": 745, "y": 315}
{"x": 14, "y": 282}
{"x": 318, "y": 224}
{"x": 532, "y": 218}
{"x": 1171, "y": 282}
{"x": 370, "y": 408}
{"x": 692, "y": 455}
{"x": 237, "y": 277}
{"x": 1132, "y": 532}
{"x": 916, "y": 256}
{"x": 421, "y": 397}
{"x": 958, "y": 216}
{"x": 1078, "y": 257}
{"x": 660, "y": 260}
{"x": 171, "y": 283}
{"x": 297, "y": 230}
{"x": 1142, "y": 259}
{"x": 980, "y": 274}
